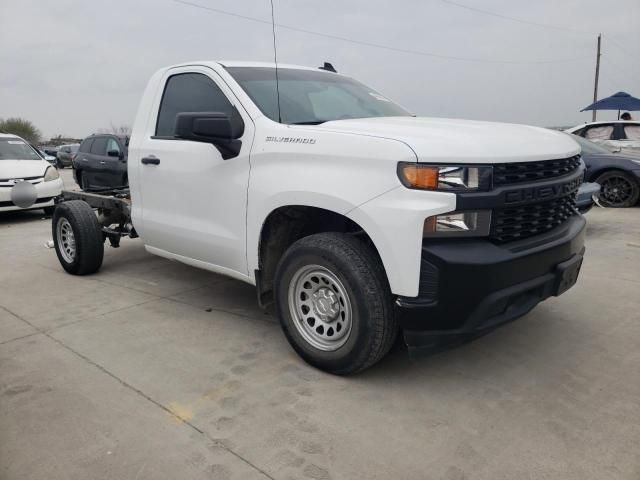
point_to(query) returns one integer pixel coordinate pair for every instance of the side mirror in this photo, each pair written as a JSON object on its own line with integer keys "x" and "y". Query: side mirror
{"x": 211, "y": 127}
{"x": 114, "y": 153}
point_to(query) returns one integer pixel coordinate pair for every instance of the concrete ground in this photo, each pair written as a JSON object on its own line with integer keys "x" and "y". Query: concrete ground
{"x": 154, "y": 370}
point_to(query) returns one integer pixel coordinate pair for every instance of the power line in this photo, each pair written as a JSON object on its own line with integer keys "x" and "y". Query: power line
{"x": 514, "y": 19}
{"x": 538, "y": 24}
{"x": 619, "y": 46}
{"x": 381, "y": 46}
{"x": 631, "y": 75}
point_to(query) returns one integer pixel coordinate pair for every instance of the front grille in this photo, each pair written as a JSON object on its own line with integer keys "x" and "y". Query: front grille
{"x": 517, "y": 223}
{"x": 10, "y": 182}
{"x": 510, "y": 173}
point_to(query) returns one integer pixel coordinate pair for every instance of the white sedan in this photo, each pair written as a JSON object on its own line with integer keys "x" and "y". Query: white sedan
{"x": 19, "y": 162}
{"x": 618, "y": 134}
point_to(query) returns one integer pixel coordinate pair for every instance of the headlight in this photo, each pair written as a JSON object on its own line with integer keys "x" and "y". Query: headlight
{"x": 472, "y": 223}
{"x": 51, "y": 174}
{"x": 448, "y": 178}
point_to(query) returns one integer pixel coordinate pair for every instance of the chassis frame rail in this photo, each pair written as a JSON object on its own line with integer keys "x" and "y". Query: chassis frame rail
{"x": 114, "y": 207}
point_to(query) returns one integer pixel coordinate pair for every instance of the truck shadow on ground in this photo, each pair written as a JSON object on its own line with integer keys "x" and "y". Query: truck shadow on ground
{"x": 524, "y": 340}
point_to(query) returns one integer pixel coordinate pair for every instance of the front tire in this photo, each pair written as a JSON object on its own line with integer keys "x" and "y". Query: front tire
{"x": 618, "y": 189}
{"x": 334, "y": 303}
{"x": 77, "y": 237}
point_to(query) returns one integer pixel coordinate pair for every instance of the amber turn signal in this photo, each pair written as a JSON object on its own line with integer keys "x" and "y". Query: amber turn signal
{"x": 414, "y": 175}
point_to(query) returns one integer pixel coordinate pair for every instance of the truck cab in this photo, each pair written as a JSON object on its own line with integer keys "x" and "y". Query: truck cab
{"x": 356, "y": 220}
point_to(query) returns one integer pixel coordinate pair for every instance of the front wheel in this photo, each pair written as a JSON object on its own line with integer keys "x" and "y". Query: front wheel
{"x": 334, "y": 303}
{"x": 77, "y": 237}
{"x": 618, "y": 189}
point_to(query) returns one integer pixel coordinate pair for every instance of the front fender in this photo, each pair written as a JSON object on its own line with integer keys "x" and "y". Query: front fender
{"x": 394, "y": 222}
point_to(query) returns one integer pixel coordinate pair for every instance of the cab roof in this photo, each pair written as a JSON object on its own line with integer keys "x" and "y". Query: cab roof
{"x": 242, "y": 63}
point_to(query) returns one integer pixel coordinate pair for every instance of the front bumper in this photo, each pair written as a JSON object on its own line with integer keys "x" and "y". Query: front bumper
{"x": 65, "y": 161}
{"x": 471, "y": 286}
{"x": 584, "y": 199}
{"x": 46, "y": 191}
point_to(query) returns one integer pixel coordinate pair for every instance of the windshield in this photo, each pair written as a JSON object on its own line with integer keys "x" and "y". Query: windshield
{"x": 17, "y": 149}
{"x": 590, "y": 147}
{"x": 312, "y": 97}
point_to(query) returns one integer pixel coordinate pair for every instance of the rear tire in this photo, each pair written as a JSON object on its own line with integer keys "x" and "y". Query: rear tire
{"x": 618, "y": 189}
{"x": 334, "y": 303}
{"x": 77, "y": 237}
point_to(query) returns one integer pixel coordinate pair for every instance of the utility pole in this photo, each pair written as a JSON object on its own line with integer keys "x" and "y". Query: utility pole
{"x": 595, "y": 84}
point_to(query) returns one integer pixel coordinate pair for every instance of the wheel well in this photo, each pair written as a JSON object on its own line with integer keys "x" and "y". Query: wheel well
{"x": 286, "y": 225}
{"x": 602, "y": 171}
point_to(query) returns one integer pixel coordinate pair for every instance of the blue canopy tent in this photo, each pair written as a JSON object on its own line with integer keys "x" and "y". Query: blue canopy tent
{"x": 618, "y": 101}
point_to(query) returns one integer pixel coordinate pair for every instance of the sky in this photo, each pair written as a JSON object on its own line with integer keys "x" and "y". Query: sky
{"x": 73, "y": 67}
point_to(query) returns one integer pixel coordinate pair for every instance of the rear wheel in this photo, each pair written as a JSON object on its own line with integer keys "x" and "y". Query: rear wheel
{"x": 618, "y": 189}
{"x": 334, "y": 303}
{"x": 77, "y": 237}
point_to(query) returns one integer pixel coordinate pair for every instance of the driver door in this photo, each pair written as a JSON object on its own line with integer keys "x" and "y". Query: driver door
{"x": 194, "y": 202}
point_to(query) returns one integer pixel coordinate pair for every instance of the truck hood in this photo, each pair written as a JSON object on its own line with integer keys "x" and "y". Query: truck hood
{"x": 10, "y": 169}
{"x": 463, "y": 141}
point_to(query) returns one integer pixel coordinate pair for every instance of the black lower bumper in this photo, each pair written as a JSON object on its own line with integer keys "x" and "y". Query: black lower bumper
{"x": 471, "y": 286}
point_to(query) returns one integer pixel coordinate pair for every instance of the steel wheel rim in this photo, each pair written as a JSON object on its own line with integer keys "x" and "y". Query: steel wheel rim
{"x": 616, "y": 190}
{"x": 66, "y": 240}
{"x": 320, "y": 307}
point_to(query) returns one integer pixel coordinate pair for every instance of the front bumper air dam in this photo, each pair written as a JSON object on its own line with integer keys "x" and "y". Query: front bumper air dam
{"x": 474, "y": 286}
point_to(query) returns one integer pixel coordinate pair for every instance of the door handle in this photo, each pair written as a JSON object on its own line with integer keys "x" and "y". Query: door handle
{"x": 103, "y": 163}
{"x": 150, "y": 160}
{"x": 84, "y": 159}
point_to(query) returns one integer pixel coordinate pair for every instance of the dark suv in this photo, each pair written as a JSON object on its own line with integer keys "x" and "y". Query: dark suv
{"x": 101, "y": 162}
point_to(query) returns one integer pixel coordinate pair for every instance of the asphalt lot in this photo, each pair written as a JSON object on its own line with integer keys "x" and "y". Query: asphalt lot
{"x": 155, "y": 370}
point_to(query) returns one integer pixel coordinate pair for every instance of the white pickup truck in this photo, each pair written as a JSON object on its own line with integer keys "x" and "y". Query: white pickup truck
{"x": 355, "y": 219}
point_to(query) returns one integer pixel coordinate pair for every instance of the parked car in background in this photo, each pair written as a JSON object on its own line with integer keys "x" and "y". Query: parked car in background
{"x": 65, "y": 154}
{"x": 616, "y": 134}
{"x": 49, "y": 158}
{"x": 617, "y": 173}
{"x": 101, "y": 162}
{"x": 20, "y": 162}
{"x": 49, "y": 150}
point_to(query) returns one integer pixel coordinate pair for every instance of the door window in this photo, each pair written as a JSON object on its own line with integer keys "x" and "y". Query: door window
{"x": 189, "y": 92}
{"x": 85, "y": 146}
{"x": 99, "y": 146}
{"x": 112, "y": 145}
{"x": 632, "y": 132}
{"x": 602, "y": 132}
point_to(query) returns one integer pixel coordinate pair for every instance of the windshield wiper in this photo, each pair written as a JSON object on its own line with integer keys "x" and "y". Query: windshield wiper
{"x": 314, "y": 122}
